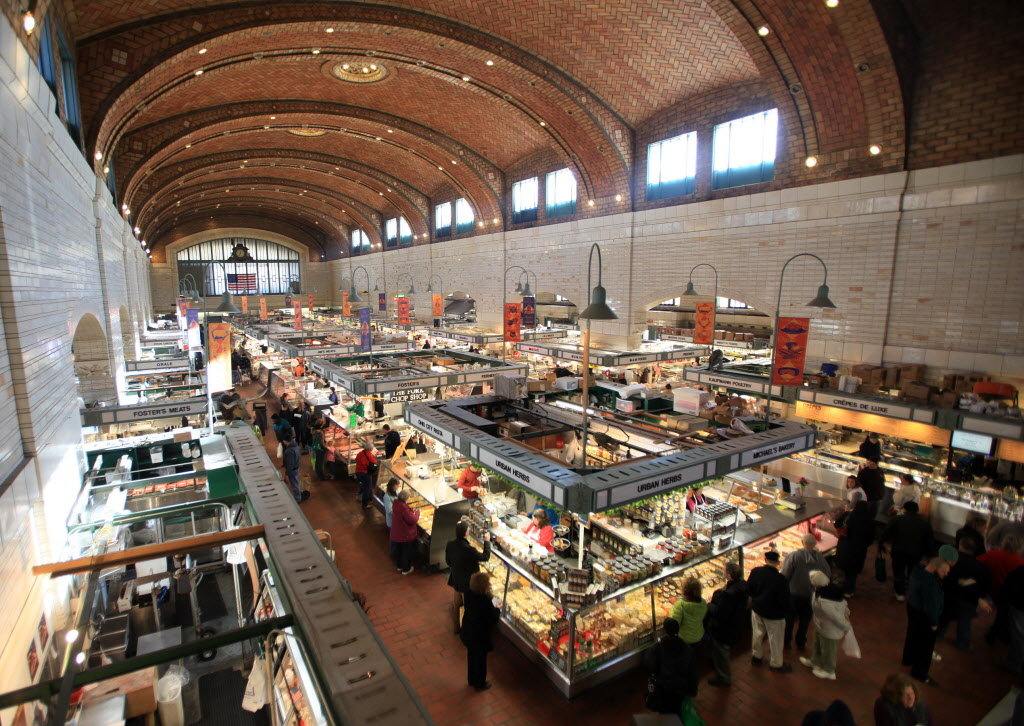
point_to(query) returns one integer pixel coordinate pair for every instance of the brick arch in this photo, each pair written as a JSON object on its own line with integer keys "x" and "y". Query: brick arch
{"x": 256, "y": 223}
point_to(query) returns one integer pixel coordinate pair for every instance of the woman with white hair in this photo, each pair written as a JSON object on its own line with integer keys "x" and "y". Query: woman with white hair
{"x": 831, "y": 623}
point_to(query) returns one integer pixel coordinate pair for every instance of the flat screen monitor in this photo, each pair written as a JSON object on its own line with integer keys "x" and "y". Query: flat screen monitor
{"x": 970, "y": 441}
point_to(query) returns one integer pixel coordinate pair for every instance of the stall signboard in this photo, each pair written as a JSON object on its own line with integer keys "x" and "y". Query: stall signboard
{"x": 193, "y": 338}
{"x": 298, "y": 314}
{"x": 346, "y": 306}
{"x": 382, "y": 301}
{"x": 403, "y": 310}
{"x": 625, "y": 405}
{"x": 610, "y": 359}
{"x": 790, "y": 351}
{"x": 419, "y": 394}
{"x": 704, "y": 324}
{"x": 761, "y": 454}
{"x": 405, "y": 384}
{"x": 520, "y": 476}
{"x": 657, "y": 485}
{"x": 160, "y": 364}
{"x": 869, "y": 405}
{"x": 182, "y": 311}
{"x": 732, "y": 382}
{"x": 219, "y": 363}
{"x": 431, "y": 429}
{"x": 438, "y": 305}
{"x": 144, "y": 412}
{"x": 365, "y": 336}
{"x": 513, "y": 322}
{"x": 529, "y": 311}
{"x": 263, "y": 308}
{"x": 245, "y": 304}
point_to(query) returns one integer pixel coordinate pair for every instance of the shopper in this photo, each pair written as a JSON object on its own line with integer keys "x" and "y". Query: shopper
{"x": 910, "y": 538}
{"x": 974, "y": 529}
{"x": 837, "y": 714}
{"x": 900, "y": 704}
{"x": 477, "y": 626}
{"x": 689, "y": 612}
{"x": 366, "y": 468}
{"x": 539, "y": 529}
{"x": 969, "y": 581}
{"x": 797, "y": 569}
{"x": 292, "y": 461}
{"x": 426, "y": 344}
{"x": 1011, "y": 602}
{"x": 390, "y": 494}
{"x": 281, "y": 427}
{"x": 392, "y": 440}
{"x": 854, "y": 492}
{"x": 872, "y": 481}
{"x": 673, "y": 670}
{"x": 856, "y": 532}
{"x": 871, "y": 448}
{"x": 908, "y": 491}
{"x": 469, "y": 482}
{"x": 924, "y": 608}
{"x": 463, "y": 562}
{"x": 332, "y": 397}
{"x": 831, "y": 622}
{"x": 403, "y": 532}
{"x": 298, "y": 418}
{"x": 726, "y": 610}
{"x": 769, "y": 596}
{"x": 318, "y": 445}
{"x": 1002, "y": 558}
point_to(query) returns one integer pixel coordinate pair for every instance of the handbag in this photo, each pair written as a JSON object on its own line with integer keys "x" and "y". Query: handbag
{"x": 880, "y": 568}
{"x": 850, "y": 645}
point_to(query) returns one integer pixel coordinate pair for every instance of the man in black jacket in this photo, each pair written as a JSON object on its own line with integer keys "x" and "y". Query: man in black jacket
{"x": 392, "y": 440}
{"x": 967, "y": 583}
{"x": 871, "y": 479}
{"x": 463, "y": 561}
{"x": 673, "y": 671}
{"x": 910, "y": 536}
{"x": 725, "y": 619}
{"x": 769, "y": 596}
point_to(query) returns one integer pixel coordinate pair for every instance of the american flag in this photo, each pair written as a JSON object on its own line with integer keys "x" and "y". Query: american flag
{"x": 242, "y": 282}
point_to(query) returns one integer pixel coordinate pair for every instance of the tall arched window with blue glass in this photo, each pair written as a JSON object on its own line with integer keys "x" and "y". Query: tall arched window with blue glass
{"x": 222, "y": 264}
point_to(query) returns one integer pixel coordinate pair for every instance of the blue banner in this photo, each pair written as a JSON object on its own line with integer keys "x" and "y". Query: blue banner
{"x": 382, "y": 302}
{"x": 365, "y": 338}
{"x": 529, "y": 312}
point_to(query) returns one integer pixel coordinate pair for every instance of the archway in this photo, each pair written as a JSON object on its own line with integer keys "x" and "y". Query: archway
{"x": 459, "y": 307}
{"x": 91, "y": 359}
{"x": 555, "y": 308}
{"x": 129, "y": 341}
{"x": 735, "y": 320}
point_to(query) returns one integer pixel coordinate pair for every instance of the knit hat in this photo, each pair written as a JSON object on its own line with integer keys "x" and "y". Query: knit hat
{"x": 949, "y": 553}
{"x": 819, "y": 578}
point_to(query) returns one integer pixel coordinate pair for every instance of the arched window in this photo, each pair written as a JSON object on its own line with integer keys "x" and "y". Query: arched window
{"x": 276, "y": 270}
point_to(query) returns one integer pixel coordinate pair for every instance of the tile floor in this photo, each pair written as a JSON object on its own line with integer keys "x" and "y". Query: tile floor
{"x": 410, "y": 613}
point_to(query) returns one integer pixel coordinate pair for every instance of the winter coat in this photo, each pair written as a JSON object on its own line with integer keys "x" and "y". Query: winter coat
{"x": 769, "y": 592}
{"x": 852, "y": 549}
{"x": 831, "y": 616}
{"x": 464, "y": 560}
{"x": 690, "y": 616}
{"x": 726, "y": 612}
{"x": 797, "y": 570}
{"x": 403, "y": 522}
{"x": 478, "y": 621}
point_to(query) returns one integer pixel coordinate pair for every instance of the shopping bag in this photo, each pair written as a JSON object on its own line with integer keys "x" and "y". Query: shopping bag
{"x": 255, "y": 695}
{"x": 850, "y": 645}
{"x": 880, "y": 568}
{"x": 688, "y": 714}
{"x": 280, "y": 452}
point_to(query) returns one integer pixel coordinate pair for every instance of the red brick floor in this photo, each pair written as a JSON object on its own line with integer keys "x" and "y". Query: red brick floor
{"x": 410, "y": 613}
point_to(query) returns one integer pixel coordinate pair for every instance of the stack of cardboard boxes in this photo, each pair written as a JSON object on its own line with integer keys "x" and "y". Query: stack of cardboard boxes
{"x": 908, "y": 379}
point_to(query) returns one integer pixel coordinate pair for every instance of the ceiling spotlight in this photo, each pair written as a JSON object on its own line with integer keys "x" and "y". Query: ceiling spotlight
{"x": 465, "y": 78}
{"x": 482, "y": 224}
{"x": 71, "y": 636}
{"x": 365, "y": 69}
{"x": 98, "y": 155}
{"x": 137, "y": 230}
{"x": 874, "y": 149}
{"x": 373, "y": 67}
{"x": 590, "y": 202}
{"x": 344, "y": 66}
{"x": 391, "y": 131}
{"x": 831, "y": 3}
{"x": 454, "y": 162}
{"x": 316, "y": 51}
{"x": 543, "y": 123}
{"x": 188, "y": 146}
{"x": 28, "y": 22}
{"x": 389, "y": 190}
{"x": 618, "y": 197}
{"x": 490, "y": 63}
{"x": 811, "y": 161}
{"x": 127, "y": 212}
{"x": 494, "y": 221}
{"x": 124, "y": 207}
{"x": 199, "y": 72}
{"x": 202, "y": 51}
{"x": 80, "y": 658}
{"x": 328, "y": 30}
{"x": 106, "y": 169}
{"x": 440, "y": 168}
{"x": 763, "y": 31}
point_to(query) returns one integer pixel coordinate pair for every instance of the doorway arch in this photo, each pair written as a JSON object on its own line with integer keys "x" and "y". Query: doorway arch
{"x": 91, "y": 359}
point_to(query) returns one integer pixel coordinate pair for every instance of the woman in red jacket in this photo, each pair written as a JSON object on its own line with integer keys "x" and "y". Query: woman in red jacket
{"x": 540, "y": 531}
{"x": 403, "y": 532}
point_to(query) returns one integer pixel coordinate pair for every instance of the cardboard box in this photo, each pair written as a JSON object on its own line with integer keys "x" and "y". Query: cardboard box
{"x": 536, "y": 386}
{"x": 910, "y": 373}
{"x": 917, "y": 392}
{"x": 867, "y": 389}
{"x": 892, "y": 377}
{"x": 946, "y": 399}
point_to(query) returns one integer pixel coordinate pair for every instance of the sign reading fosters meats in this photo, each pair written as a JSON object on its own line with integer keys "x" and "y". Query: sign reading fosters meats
{"x": 403, "y": 385}
{"x": 773, "y": 451}
{"x": 127, "y": 414}
{"x": 657, "y": 485}
{"x": 520, "y": 476}
{"x": 430, "y": 429}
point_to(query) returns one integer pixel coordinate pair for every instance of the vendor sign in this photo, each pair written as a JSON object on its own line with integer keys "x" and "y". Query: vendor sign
{"x": 382, "y": 302}
{"x": 245, "y": 304}
{"x": 438, "y": 306}
{"x": 704, "y": 324}
{"x": 403, "y": 310}
{"x": 529, "y": 312}
{"x": 263, "y": 308}
{"x": 790, "y": 351}
{"x": 309, "y": 302}
{"x": 513, "y": 322}
{"x": 365, "y": 337}
{"x": 298, "y": 314}
{"x": 346, "y": 306}
{"x": 194, "y": 339}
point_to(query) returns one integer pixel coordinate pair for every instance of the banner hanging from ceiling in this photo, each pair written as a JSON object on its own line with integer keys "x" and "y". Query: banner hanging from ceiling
{"x": 298, "y": 314}
{"x": 438, "y": 306}
{"x": 309, "y": 303}
{"x": 704, "y": 324}
{"x": 364, "y": 329}
{"x": 263, "y": 308}
{"x": 403, "y": 310}
{"x": 245, "y": 304}
{"x": 382, "y": 301}
{"x": 194, "y": 339}
{"x": 790, "y": 351}
{"x": 346, "y": 306}
{"x": 513, "y": 322}
{"x": 529, "y": 312}
{"x": 218, "y": 369}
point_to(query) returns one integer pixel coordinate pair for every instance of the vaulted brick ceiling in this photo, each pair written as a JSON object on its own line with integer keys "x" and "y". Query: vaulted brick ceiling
{"x": 268, "y": 136}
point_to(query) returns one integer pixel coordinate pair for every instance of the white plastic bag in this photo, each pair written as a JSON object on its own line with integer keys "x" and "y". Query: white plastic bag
{"x": 850, "y": 645}
{"x": 255, "y": 696}
{"x": 280, "y": 450}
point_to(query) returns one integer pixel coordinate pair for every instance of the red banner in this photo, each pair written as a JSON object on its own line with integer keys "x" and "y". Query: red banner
{"x": 790, "y": 351}
{"x": 403, "y": 310}
{"x": 245, "y": 304}
{"x": 513, "y": 322}
{"x": 218, "y": 369}
{"x": 263, "y": 308}
{"x": 438, "y": 306}
{"x": 704, "y": 326}
{"x": 346, "y": 306}
{"x": 298, "y": 315}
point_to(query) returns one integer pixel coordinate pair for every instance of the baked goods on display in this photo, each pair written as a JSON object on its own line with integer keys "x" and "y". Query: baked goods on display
{"x": 617, "y": 626}
{"x": 710, "y": 574}
{"x": 529, "y": 610}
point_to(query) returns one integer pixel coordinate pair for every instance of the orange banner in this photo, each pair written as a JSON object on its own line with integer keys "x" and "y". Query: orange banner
{"x": 218, "y": 369}
{"x": 346, "y": 306}
{"x": 245, "y": 304}
{"x": 263, "y": 308}
{"x": 309, "y": 303}
{"x": 298, "y": 315}
{"x": 438, "y": 306}
{"x": 403, "y": 310}
{"x": 513, "y": 322}
{"x": 790, "y": 351}
{"x": 704, "y": 326}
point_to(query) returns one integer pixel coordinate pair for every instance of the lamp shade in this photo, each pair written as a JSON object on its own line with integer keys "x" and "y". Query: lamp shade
{"x": 690, "y": 292}
{"x": 353, "y": 296}
{"x": 226, "y": 306}
{"x": 821, "y": 300}
{"x": 412, "y": 288}
{"x": 376, "y": 287}
{"x": 598, "y": 308}
{"x": 430, "y": 287}
{"x": 526, "y": 290}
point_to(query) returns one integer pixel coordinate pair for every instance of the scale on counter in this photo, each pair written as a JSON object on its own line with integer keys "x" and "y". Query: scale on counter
{"x": 791, "y": 502}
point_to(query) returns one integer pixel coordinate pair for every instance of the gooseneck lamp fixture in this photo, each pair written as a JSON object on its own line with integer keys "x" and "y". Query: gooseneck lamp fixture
{"x": 504, "y": 300}
{"x": 691, "y": 292}
{"x": 597, "y": 310}
{"x": 821, "y": 300}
